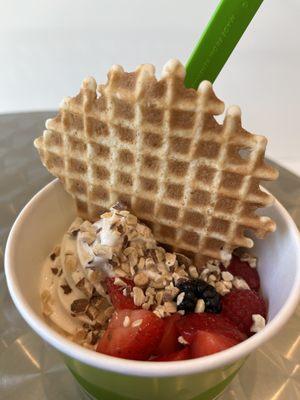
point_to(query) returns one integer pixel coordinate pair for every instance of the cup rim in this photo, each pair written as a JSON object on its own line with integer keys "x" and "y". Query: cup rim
{"x": 143, "y": 368}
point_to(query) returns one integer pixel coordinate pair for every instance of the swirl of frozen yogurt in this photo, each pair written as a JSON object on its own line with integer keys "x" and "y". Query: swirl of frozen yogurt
{"x": 85, "y": 260}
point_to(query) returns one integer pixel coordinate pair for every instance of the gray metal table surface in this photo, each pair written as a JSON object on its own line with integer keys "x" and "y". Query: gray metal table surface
{"x": 31, "y": 369}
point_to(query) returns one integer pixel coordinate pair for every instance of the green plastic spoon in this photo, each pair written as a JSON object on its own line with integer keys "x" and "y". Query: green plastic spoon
{"x": 224, "y": 30}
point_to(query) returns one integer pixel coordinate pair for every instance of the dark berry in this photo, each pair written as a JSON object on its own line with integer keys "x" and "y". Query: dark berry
{"x": 201, "y": 286}
{"x": 195, "y": 289}
{"x": 213, "y": 304}
{"x": 210, "y": 291}
{"x": 185, "y": 286}
{"x": 188, "y": 303}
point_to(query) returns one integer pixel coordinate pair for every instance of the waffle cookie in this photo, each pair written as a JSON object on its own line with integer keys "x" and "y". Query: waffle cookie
{"x": 156, "y": 146}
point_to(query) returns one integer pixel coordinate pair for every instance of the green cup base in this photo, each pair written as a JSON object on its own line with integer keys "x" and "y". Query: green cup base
{"x": 96, "y": 393}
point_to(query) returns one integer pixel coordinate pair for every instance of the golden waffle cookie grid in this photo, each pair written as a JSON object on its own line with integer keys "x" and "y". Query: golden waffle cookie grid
{"x": 156, "y": 146}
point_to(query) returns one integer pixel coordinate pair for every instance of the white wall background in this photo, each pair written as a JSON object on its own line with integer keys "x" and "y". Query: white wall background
{"x": 48, "y": 46}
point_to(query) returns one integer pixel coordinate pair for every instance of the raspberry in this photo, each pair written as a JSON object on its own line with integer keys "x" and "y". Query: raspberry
{"x": 240, "y": 305}
{"x": 243, "y": 269}
{"x": 190, "y": 324}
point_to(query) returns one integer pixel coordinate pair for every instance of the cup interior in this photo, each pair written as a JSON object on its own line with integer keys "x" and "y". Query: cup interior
{"x": 278, "y": 265}
{"x": 45, "y": 219}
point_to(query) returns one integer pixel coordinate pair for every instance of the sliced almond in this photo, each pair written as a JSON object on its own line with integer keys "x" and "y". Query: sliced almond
{"x": 180, "y": 298}
{"x": 227, "y": 276}
{"x": 120, "y": 273}
{"x": 71, "y": 262}
{"x": 170, "y": 307}
{"x": 170, "y": 259}
{"x": 128, "y": 250}
{"x": 107, "y": 215}
{"x": 79, "y": 306}
{"x": 149, "y": 263}
{"x": 160, "y": 311}
{"x": 141, "y": 263}
{"x": 159, "y": 297}
{"x": 119, "y": 282}
{"x": 141, "y": 279}
{"x": 102, "y": 250}
{"x": 200, "y": 306}
{"x": 86, "y": 226}
{"x": 74, "y": 228}
{"x": 138, "y": 296}
{"x": 55, "y": 253}
{"x": 125, "y": 267}
{"x": 126, "y": 322}
{"x": 109, "y": 312}
{"x": 240, "y": 283}
{"x": 131, "y": 219}
{"x": 251, "y": 260}
{"x": 88, "y": 237}
{"x": 136, "y": 323}
{"x": 182, "y": 340}
{"x": 193, "y": 272}
{"x": 133, "y": 259}
{"x": 182, "y": 259}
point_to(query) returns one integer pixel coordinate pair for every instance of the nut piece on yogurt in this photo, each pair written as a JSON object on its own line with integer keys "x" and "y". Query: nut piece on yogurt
{"x": 70, "y": 262}
{"x": 79, "y": 306}
{"x": 74, "y": 228}
{"x": 250, "y": 259}
{"x": 55, "y": 253}
{"x": 46, "y": 303}
{"x": 259, "y": 323}
{"x": 240, "y": 283}
{"x": 141, "y": 279}
{"x": 138, "y": 296}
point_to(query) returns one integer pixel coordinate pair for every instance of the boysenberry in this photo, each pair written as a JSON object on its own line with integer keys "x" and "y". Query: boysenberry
{"x": 195, "y": 289}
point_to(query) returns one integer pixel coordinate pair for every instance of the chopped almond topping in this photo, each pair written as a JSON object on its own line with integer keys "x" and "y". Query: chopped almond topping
{"x": 137, "y": 323}
{"x": 138, "y": 296}
{"x": 126, "y": 322}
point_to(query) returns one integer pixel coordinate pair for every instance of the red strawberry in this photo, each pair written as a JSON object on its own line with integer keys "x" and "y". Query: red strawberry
{"x": 183, "y": 354}
{"x": 243, "y": 269}
{"x": 239, "y": 305}
{"x": 169, "y": 342}
{"x": 118, "y": 299}
{"x": 205, "y": 343}
{"x": 134, "y": 342}
{"x": 190, "y": 324}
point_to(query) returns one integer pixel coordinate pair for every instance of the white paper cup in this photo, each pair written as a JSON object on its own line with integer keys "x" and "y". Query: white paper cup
{"x": 42, "y": 224}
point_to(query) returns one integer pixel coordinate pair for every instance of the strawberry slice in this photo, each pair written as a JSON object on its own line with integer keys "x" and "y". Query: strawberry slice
{"x": 243, "y": 270}
{"x": 206, "y": 343}
{"x": 190, "y": 324}
{"x": 118, "y": 299}
{"x": 240, "y": 305}
{"x": 183, "y": 354}
{"x": 169, "y": 342}
{"x": 132, "y": 334}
